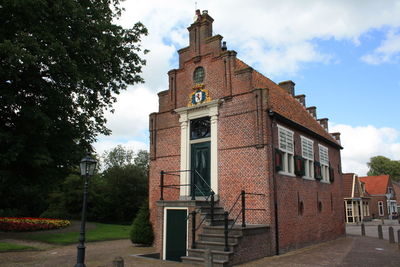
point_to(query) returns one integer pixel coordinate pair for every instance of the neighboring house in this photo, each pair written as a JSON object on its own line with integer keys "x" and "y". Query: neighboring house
{"x": 356, "y": 199}
{"x": 396, "y": 187}
{"x": 225, "y": 130}
{"x": 383, "y": 197}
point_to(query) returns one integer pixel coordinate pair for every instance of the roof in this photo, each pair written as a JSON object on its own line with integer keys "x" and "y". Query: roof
{"x": 376, "y": 185}
{"x": 347, "y": 184}
{"x": 285, "y": 104}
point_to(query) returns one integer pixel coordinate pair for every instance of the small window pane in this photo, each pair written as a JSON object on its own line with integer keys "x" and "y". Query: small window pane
{"x": 200, "y": 128}
{"x": 198, "y": 75}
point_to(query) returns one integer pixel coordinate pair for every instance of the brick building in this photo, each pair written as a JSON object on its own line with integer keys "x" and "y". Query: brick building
{"x": 223, "y": 128}
{"x": 356, "y": 199}
{"x": 383, "y": 196}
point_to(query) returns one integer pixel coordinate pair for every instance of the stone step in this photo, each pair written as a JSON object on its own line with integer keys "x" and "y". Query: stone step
{"x": 219, "y": 216}
{"x": 200, "y": 261}
{"x": 232, "y": 238}
{"x": 219, "y": 229}
{"x": 215, "y": 245}
{"x": 216, "y": 254}
{"x": 219, "y": 222}
{"x": 216, "y": 211}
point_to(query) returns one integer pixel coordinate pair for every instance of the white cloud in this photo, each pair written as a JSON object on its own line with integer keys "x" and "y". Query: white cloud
{"x": 363, "y": 142}
{"x": 283, "y": 32}
{"x": 132, "y": 111}
{"x": 388, "y": 51}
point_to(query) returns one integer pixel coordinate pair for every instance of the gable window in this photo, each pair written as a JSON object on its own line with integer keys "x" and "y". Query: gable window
{"x": 307, "y": 152}
{"x": 286, "y": 145}
{"x": 380, "y": 208}
{"x": 324, "y": 161}
{"x": 198, "y": 75}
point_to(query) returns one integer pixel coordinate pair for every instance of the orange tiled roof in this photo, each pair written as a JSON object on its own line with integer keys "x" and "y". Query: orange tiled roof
{"x": 376, "y": 185}
{"x": 285, "y": 104}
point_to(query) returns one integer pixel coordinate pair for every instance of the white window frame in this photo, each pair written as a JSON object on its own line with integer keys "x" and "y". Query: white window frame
{"x": 381, "y": 208}
{"x": 324, "y": 161}
{"x": 288, "y": 151}
{"x": 308, "y": 157}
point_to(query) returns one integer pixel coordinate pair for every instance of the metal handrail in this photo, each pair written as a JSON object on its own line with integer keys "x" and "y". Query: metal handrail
{"x": 194, "y": 186}
{"x": 241, "y": 212}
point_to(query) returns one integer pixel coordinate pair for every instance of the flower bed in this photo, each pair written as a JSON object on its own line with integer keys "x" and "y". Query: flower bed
{"x": 11, "y": 224}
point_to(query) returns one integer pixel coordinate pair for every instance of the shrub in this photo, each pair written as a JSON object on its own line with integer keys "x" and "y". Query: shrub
{"x": 141, "y": 231}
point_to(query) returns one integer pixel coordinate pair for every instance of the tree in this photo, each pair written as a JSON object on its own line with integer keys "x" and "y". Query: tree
{"x": 142, "y": 160}
{"x": 142, "y": 231}
{"x": 118, "y": 157}
{"x": 61, "y": 64}
{"x": 381, "y": 165}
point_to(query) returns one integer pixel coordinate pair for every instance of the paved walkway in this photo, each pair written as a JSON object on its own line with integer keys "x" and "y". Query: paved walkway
{"x": 371, "y": 228}
{"x": 352, "y": 250}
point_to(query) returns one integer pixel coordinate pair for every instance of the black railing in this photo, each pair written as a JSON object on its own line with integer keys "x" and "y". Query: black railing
{"x": 242, "y": 212}
{"x": 193, "y": 188}
{"x": 193, "y": 185}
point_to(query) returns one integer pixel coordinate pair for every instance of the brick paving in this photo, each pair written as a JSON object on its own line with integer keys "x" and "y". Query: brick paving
{"x": 352, "y": 250}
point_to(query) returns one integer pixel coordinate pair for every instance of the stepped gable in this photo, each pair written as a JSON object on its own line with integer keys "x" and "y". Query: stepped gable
{"x": 285, "y": 104}
{"x": 376, "y": 185}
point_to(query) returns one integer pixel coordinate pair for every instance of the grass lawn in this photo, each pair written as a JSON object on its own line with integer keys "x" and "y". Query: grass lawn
{"x": 100, "y": 233}
{"x": 10, "y": 247}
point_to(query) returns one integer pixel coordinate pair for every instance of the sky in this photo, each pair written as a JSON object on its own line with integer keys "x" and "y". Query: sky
{"x": 343, "y": 55}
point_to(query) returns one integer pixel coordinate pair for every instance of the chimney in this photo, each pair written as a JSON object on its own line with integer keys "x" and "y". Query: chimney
{"x": 301, "y": 99}
{"x": 200, "y": 29}
{"x": 336, "y": 136}
{"x": 313, "y": 111}
{"x": 288, "y": 86}
{"x": 324, "y": 123}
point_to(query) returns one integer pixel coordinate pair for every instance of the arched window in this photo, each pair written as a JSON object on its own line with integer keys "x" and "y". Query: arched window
{"x": 198, "y": 75}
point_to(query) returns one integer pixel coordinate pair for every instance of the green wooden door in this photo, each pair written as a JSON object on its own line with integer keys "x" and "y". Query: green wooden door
{"x": 175, "y": 234}
{"x": 200, "y": 166}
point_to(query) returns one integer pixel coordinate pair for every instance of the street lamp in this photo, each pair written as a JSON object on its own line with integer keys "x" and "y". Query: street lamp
{"x": 87, "y": 166}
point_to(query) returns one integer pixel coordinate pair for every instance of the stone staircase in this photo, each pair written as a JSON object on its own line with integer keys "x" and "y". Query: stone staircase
{"x": 244, "y": 243}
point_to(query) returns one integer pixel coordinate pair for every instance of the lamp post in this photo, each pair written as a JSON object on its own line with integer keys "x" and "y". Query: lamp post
{"x": 87, "y": 166}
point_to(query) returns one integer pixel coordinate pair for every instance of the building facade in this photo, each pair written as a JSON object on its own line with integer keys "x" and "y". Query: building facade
{"x": 356, "y": 199}
{"x": 383, "y": 196}
{"x": 222, "y": 129}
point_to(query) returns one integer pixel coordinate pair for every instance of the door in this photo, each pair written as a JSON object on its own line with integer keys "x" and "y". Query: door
{"x": 176, "y": 230}
{"x": 200, "y": 166}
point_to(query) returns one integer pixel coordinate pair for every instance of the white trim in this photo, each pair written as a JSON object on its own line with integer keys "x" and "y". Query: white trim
{"x": 209, "y": 109}
{"x": 165, "y": 228}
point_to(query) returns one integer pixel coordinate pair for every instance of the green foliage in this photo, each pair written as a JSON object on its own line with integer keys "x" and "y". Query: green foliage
{"x": 141, "y": 231}
{"x": 381, "y": 165}
{"x": 114, "y": 195}
{"x": 61, "y": 64}
{"x": 118, "y": 157}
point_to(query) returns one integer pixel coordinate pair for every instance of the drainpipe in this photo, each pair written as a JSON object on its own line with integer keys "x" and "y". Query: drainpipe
{"x": 271, "y": 113}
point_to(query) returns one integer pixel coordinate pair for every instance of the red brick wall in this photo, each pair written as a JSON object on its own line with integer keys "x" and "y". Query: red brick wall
{"x": 373, "y": 206}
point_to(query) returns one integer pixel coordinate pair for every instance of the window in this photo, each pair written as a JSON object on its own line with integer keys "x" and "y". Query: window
{"x": 200, "y": 128}
{"x": 198, "y": 75}
{"x": 307, "y": 152}
{"x": 324, "y": 161}
{"x": 349, "y": 211}
{"x": 287, "y": 147}
{"x": 380, "y": 208}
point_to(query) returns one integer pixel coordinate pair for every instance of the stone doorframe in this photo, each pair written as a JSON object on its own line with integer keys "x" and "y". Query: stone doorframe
{"x": 209, "y": 109}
